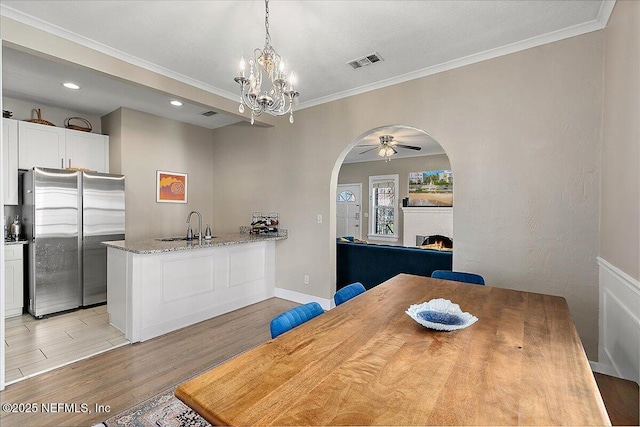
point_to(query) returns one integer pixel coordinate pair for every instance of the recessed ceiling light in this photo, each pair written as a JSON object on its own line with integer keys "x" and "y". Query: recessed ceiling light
{"x": 176, "y": 103}
{"x": 70, "y": 85}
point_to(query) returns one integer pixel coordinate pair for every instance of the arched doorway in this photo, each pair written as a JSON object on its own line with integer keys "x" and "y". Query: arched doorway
{"x": 390, "y": 181}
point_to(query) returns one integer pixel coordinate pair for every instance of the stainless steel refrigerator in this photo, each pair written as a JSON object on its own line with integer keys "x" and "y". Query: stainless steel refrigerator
{"x": 66, "y": 215}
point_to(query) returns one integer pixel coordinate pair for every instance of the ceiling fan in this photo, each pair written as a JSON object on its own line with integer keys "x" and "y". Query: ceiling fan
{"x": 387, "y": 147}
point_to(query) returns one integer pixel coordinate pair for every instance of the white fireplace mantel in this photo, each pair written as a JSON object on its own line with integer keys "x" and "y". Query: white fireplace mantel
{"x": 426, "y": 221}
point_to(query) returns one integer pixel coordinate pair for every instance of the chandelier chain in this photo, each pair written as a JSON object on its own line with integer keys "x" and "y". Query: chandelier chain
{"x": 267, "y": 38}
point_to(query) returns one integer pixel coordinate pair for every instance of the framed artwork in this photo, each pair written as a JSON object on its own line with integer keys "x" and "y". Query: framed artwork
{"x": 171, "y": 187}
{"x": 431, "y": 188}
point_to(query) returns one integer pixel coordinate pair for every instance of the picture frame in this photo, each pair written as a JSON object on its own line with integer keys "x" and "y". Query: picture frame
{"x": 171, "y": 187}
{"x": 431, "y": 189}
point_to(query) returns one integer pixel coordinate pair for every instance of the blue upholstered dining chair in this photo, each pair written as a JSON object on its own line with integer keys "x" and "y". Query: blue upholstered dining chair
{"x": 294, "y": 317}
{"x": 458, "y": 276}
{"x": 348, "y": 292}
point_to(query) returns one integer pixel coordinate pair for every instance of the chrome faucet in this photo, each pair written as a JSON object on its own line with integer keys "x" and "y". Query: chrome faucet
{"x": 199, "y": 224}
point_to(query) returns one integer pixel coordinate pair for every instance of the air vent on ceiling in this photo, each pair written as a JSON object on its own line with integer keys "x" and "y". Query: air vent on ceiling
{"x": 209, "y": 113}
{"x": 365, "y": 60}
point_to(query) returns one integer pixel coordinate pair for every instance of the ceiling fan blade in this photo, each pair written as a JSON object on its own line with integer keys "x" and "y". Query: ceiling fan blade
{"x": 394, "y": 150}
{"x": 369, "y": 145}
{"x": 410, "y": 147}
{"x": 366, "y": 151}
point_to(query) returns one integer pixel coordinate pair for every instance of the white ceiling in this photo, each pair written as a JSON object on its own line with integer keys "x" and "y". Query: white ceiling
{"x": 201, "y": 42}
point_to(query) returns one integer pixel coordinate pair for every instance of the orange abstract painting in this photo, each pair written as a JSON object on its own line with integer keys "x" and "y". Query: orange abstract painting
{"x": 171, "y": 187}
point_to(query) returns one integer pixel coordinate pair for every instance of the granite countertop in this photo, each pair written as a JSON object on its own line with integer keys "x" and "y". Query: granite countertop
{"x": 154, "y": 246}
{"x": 15, "y": 242}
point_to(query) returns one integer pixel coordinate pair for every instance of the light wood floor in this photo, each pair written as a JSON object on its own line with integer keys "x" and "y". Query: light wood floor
{"x": 34, "y": 346}
{"x": 130, "y": 374}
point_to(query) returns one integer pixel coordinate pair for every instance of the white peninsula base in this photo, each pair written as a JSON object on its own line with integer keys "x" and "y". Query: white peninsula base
{"x": 151, "y": 293}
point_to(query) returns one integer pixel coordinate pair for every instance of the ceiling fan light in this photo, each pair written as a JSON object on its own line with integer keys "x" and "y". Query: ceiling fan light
{"x": 386, "y": 151}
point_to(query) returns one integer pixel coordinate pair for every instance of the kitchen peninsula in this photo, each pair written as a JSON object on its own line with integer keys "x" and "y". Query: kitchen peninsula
{"x": 155, "y": 286}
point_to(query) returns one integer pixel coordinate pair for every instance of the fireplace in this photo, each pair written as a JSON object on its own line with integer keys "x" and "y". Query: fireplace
{"x": 435, "y": 241}
{"x": 427, "y": 222}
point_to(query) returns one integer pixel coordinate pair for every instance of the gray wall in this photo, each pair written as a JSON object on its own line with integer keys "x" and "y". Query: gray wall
{"x": 522, "y": 133}
{"x": 620, "y": 184}
{"x": 352, "y": 173}
{"x": 148, "y": 143}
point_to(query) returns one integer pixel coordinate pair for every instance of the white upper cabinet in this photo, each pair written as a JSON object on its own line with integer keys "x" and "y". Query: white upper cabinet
{"x": 10, "y": 161}
{"x": 40, "y": 145}
{"x": 87, "y": 150}
{"x": 53, "y": 147}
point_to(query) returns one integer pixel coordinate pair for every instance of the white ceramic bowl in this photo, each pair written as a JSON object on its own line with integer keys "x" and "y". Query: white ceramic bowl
{"x": 441, "y": 314}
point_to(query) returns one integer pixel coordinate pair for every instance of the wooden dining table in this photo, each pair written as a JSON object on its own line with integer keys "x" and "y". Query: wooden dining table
{"x": 366, "y": 362}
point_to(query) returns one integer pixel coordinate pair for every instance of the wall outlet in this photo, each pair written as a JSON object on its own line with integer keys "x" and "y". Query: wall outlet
{"x": 319, "y": 218}
{"x": 306, "y": 279}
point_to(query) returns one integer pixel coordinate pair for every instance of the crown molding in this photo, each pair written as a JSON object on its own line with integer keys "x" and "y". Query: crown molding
{"x": 599, "y": 23}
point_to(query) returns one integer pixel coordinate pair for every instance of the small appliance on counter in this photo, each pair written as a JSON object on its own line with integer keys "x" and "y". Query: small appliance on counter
{"x": 16, "y": 228}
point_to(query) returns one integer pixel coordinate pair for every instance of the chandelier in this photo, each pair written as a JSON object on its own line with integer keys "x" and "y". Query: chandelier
{"x": 267, "y": 88}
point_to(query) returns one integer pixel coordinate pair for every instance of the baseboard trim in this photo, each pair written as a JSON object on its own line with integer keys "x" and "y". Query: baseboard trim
{"x": 602, "y": 369}
{"x": 301, "y": 298}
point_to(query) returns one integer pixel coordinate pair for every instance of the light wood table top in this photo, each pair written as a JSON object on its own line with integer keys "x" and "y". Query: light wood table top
{"x": 366, "y": 362}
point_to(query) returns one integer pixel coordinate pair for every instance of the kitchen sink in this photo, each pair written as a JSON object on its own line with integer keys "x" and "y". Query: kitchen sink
{"x": 177, "y": 239}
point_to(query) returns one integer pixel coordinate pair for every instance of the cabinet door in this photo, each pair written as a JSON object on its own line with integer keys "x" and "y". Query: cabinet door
{"x": 87, "y": 150}
{"x": 10, "y": 161}
{"x": 13, "y": 281}
{"x": 40, "y": 145}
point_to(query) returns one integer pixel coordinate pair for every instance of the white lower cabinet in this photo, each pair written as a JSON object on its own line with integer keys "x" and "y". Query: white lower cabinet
{"x": 13, "y": 280}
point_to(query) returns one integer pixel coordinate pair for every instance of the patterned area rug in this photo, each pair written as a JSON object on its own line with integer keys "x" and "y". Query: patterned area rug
{"x": 162, "y": 410}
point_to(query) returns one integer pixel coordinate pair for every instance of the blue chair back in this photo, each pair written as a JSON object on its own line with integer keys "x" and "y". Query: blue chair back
{"x": 348, "y": 292}
{"x": 458, "y": 276}
{"x": 294, "y": 317}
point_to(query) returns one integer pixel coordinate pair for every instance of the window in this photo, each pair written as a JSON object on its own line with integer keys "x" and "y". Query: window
{"x": 346, "y": 196}
{"x": 383, "y": 192}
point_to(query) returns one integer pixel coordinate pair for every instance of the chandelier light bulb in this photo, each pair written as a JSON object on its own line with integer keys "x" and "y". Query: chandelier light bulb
{"x": 292, "y": 80}
{"x": 243, "y": 65}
